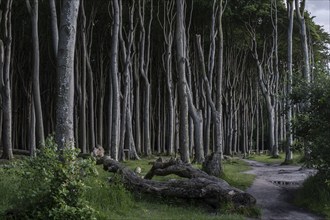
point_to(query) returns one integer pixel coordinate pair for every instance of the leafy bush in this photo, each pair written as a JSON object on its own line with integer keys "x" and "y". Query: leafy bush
{"x": 52, "y": 186}
{"x": 312, "y": 126}
{"x": 315, "y": 195}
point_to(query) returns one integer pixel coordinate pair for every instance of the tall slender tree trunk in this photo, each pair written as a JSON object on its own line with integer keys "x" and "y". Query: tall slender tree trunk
{"x": 219, "y": 122}
{"x": 65, "y": 71}
{"x": 288, "y": 151}
{"x": 5, "y": 84}
{"x": 137, "y": 111}
{"x": 183, "y": 93}
{"x": 83, "y": 81}
{"x": 90, "y": 83}
{"x": 144, "y": 53}
{"x": 33, "y": 11}
{"x": 167, "y": 24}
{"x": 54, "y": 25}
{"x": 115, "y": 122}
{"x": 100, "y": 105}
{"x": 300, "y": 11}
{"x": 275, "y": 152}
{"x": 32, "y": 138}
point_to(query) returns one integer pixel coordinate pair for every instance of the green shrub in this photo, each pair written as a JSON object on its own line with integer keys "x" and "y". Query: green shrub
{"x": 315, "y": 195}
{"x": 312, "y": 125}
{"x": 52, "y": 185}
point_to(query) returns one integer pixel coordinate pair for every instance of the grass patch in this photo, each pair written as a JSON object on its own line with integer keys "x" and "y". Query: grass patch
{"x": 8, "y": 190}
{"x": 233, "y": 174}
{"x": 314, "y": 195}
{"x": 264, "y": 158}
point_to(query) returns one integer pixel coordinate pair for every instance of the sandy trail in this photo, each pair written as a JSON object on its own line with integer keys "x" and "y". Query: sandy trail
{"x": 274, "y": 187}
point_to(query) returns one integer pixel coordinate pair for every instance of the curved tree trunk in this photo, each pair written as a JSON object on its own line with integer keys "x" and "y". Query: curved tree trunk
{"x": 196, "y": 185}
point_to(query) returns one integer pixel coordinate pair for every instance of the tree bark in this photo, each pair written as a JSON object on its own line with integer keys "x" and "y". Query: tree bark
{"x": 300, "y": 11}
{"x": 288, "y": 151}
{"x": 32, "y": 136}
{"x": 5, "y": 84}
{"x": 218, "y": 127}
{"x": 33, "y": 11}
{"x": 115, "y": 123}
{"x": 197, "y": 186}
{"x": 65, "y": 71}
{"x": 54, "y": 26}
{"x": 167, "y": 25}
{"x": 144, "y": 55}
{"x": 183, "y": 90}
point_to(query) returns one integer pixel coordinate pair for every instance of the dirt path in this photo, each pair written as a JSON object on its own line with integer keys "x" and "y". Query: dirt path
{"x": 273, "y": 189}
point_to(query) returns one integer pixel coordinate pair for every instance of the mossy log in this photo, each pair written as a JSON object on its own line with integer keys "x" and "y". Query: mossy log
{"x": 196, "y": 185}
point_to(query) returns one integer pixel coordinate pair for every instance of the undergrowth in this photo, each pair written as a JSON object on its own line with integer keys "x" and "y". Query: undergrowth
{"x": 113, "y": 201}
{"x": 315, "y": 195}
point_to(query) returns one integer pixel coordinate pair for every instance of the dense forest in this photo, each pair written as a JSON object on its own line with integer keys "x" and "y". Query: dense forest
{"x": 153, "y": 78}
{"x": 186, "y": 79}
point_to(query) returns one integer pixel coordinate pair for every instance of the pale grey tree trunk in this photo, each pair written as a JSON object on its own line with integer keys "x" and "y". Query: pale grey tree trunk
{"x": 300, "y": 11}
{"x": 65, "y": 71}
{"x": 33, "y": 11}
{"x": 218, "y": 103}
{"x": 268, "y": 86}
{"x": 257, "y": 123}
{"x": 167, "y": 24}
{"x": 90, "y": 84}
{"x": 115, "y": 123}
{"x": 54, "y": 25}
{"x": 5, "y": 84}
{"x": 32, "y": 138}
{"x": 288, "y": 152}
{"x": 262, "y": 127}
{"x": 137, "y": 114}
{"x": 83, "y": 81}
{"x": 127, "y": 55}
{"x": 183, "y": 93}
{"x": 144, "y": 55}
{"x": 100, "y": 105}
{"x": 197, "y": 118}
{"x": 275, "y": 152}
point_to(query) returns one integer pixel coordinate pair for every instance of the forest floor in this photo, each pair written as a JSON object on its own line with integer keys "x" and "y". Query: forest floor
{"x": 274, "y": 189}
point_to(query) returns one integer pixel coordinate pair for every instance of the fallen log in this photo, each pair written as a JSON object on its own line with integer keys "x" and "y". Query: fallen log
{"x": 197, "y": 184}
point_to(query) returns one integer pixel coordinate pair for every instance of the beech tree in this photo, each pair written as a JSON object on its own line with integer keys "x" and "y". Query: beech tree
{"x": 114, "y": 115}
{"x": 33, "y": 11}
{"x": 5, "y": 82}
{"x": 183, "y": 90}
{"x": 65, "y": 71}
{"x": 288, "y": 152}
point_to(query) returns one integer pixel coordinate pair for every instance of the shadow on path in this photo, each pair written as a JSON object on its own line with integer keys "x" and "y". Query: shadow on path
{"x": 274, "y": 187}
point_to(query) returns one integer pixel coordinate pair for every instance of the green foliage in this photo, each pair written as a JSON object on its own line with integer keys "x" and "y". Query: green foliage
{"x": 53, "y": 185}
{"x": 315, "y": 195}
{"x": 312, "y": 126}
